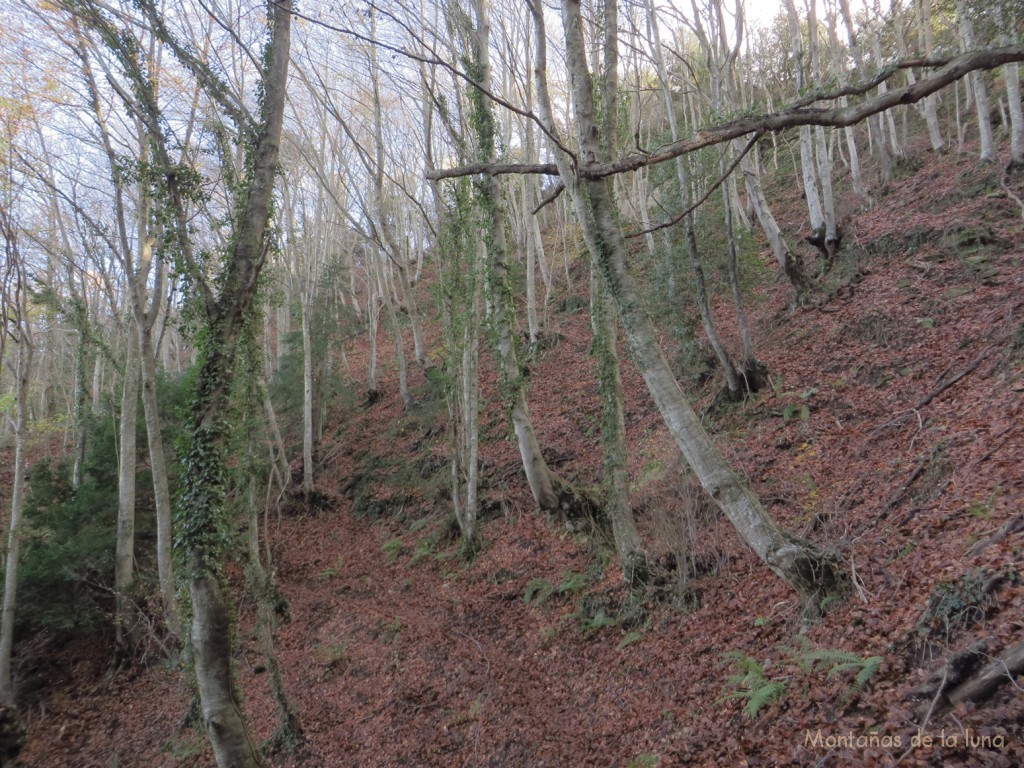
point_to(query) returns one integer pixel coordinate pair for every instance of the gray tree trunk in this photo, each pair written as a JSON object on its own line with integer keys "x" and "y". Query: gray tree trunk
{"x": 986, "y": 137}
{"x": 161, "y": 485}
{"x": 23, "y": 370}
{"x": 542, "y": 481}
{"x": 307, "y": 399}
{"x": 124, "y": 557}
{"x": 808, "y": 570}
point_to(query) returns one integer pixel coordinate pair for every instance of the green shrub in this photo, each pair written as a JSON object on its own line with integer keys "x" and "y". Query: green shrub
{"x": 67, "y": 564}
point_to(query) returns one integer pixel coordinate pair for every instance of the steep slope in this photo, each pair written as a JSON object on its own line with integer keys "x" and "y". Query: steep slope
{"x": 892, "y": 432}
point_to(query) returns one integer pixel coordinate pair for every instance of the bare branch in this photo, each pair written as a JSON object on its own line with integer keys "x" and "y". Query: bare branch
{"x": 728, "y": 172}
{"x": 439, "y": 61}
{"x": 793, "y": 117}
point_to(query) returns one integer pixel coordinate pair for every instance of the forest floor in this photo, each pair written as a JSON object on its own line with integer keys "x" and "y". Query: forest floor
{"x": 893, "y": 431}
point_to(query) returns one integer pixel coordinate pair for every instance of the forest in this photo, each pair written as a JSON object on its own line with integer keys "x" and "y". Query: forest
{"x": 541, "y": 383}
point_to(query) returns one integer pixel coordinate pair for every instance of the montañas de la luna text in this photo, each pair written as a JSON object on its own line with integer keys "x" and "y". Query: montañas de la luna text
{"x": 850, "y": 740}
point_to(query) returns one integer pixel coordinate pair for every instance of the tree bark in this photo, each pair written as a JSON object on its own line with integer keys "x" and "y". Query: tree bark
{"x": 15, "y": 323}
{"x": 986, "y": 140}
{"x": 201, "y": 502}
{"x": 161, "y": 485}
{"x": 542, "y": 481}
{"x": 812, "y": 573}
{"x": 124, "y": 557}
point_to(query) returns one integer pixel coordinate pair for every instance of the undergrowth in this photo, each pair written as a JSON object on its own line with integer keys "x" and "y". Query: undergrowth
{"x": 759, "y": 685}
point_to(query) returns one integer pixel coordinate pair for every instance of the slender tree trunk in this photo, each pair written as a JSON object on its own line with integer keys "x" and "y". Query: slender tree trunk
{"x": 750, "y": 366}
{"x": 788, "y": 261}
{"x": 1012, "y": 75}
{"x": 307, "y": 401}
{"x": 682, "y": 177}
{"x": 373, "y": 321}
{"x": 161, "y": 485}
{"x": 280, "y": 456}
{"x": 81, "y": 393}
{"x": 613, "y": 436}
{"x": 977, "y": 81}
{"x": 396, "y": 330}
{"x": 542, "y": 481}
{"x": 22, "y": 372}
{"x": 124, "y": 558}
{"x": 532, "y": 322}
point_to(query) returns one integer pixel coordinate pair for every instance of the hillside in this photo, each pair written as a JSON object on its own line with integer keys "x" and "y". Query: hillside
{"x": 891, "y": 432}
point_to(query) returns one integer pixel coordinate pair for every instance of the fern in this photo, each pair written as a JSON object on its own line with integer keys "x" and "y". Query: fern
{"x": 870, "y": 667}
{"x": 837, "y": 661}
{"x": 749, "y": 681}
{"x": 573, "y": 582}
{"x": 772, "y": 690}
{"x": 537, "y": 591}
{"x": 752, "y": 684}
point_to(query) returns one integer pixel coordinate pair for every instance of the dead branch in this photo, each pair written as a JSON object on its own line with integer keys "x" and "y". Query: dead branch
{"x": 971, "y": 368}
{"x": 1014, "y": 526}
{"x": 983, "y": 685}
{"x": 793, "y": 117}
{"x": 721, "y": 180}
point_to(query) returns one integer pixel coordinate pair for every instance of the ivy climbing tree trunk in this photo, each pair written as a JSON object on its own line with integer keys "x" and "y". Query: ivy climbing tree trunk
{"x": 542, "y": 481}
{"x": 202, "y": 527}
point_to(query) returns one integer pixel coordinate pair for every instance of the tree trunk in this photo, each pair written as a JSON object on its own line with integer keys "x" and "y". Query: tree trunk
{"x": 211, "y": 644}
{"x": 1012, "y": 74}
{"x": 201, "y": 513}
{"x": 22, "y": 372}
{"x": 812, "y": 573}
{"x": 682, "y": 177}
{"x": 542, "y": 481}
{"x": 124, "y": 558}
{"x": 788, "y": 261}
{"x": 307, "y": 401}
{"x": 161, "y": 485}
{"x": 977, "y": 79}
{"x": 613, "y": 436}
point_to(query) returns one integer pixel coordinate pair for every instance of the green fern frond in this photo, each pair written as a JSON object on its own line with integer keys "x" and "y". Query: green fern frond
{"x": 763, "y": 696}
{"x": 537, "y": 590}
{"x": 831, "y": 657}
{"x": 871, "y": 666}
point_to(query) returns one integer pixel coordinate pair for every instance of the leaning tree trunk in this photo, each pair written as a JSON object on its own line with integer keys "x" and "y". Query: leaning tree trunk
{"x": 811, "y": 572}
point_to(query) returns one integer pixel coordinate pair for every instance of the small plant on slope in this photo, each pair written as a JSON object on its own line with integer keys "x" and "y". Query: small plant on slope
{"x": 751, "y": 683}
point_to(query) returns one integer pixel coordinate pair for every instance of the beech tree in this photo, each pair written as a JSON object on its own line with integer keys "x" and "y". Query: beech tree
{"x": 225, "y": 311}
{"x": 17, "y": 328}
{"x": 586, "y": 173}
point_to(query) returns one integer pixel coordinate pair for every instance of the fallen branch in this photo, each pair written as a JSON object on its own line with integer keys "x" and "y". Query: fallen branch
{"x": 1014, "y": 526}
{"x": 836, "y": 117}
{"x": 982, "y": 686}
{"x": 971, "y": 368}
